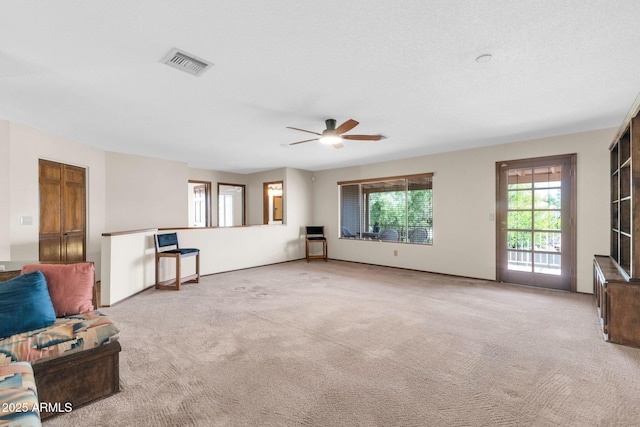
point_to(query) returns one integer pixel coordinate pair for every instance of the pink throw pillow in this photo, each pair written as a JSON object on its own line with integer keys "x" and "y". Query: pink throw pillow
{"x": 70, "y": 286}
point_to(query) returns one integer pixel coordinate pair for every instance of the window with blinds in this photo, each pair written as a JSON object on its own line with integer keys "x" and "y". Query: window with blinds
{"x": 398, "y": 209}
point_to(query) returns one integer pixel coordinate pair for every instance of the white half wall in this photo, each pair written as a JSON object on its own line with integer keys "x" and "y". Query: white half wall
{"x": 128, "y": 262}
{"x": 129, "y": 257}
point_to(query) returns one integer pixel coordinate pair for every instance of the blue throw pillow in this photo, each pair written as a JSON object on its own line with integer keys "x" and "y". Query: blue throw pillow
{"x": 25, "y": 304}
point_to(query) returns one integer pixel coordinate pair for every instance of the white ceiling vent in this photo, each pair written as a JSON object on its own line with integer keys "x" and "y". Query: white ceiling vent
{"x": 186, "y": 62}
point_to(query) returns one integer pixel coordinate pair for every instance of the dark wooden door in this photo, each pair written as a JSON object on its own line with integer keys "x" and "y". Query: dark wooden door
{"x": 62, "y": 212}
{"x": 536, "y": 233}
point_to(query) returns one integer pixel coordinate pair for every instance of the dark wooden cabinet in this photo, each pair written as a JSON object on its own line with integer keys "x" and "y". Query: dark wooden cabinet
{"x": 618, "y": 302}
{"x": 616, "y": 278}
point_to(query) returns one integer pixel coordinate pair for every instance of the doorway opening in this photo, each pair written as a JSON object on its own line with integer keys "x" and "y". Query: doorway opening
{"x": 199, "y": 203}
{"x": 231, "y": 205}
{"x": 272, "y": 202}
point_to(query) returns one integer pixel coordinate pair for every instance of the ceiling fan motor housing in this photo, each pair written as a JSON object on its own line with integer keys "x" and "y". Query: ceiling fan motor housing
{"x": 331, "y": 128}
{"x": 331, "y": 124}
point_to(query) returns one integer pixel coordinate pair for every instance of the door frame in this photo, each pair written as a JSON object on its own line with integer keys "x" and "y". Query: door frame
{"x": 207, "y": 189}
{"x": 265, "y": 200}
{"x": 244, "y": 202}
{"x": 573, "y": 206}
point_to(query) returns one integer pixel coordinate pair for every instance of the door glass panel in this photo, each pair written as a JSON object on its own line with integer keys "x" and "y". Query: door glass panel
{"x": 519, "y": 261}
{"x": 520, "y": 199}
{"x": 547, "y": 241}
{"x": 547, "y": 263}
{"x": 547, "y": 199}
{"x": 547, "y": 220}
{"x": 519, "y": 240}
{"x": 519, "y": 179}
{"x": 546, "y": 177}
{"x": 519, "y": 220}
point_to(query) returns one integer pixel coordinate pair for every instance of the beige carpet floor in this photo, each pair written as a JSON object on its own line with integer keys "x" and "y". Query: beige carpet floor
{"x": 344, "y": 344}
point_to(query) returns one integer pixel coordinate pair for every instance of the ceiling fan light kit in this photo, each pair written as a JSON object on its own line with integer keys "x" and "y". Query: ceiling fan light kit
{"x": 334, "y": 136}
{"x": 330, "y": 139}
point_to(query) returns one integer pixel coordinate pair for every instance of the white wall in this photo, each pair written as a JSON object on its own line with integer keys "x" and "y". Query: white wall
{"x": 25, "y": 147}
{"x": 298, "y": 201}
{"x": 143, "y": 192}
{"x": 464, "y": 196}
{"x": 5, "y": 192}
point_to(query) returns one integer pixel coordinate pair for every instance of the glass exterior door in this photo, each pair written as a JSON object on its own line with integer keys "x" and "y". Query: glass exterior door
{"x": 535, "y": 222}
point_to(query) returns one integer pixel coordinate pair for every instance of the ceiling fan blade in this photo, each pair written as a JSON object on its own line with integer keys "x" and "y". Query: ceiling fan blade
{"x": 303, "y": 130}
{"x": 306, "y": 140}
{"x": 338, "y": 145}
{"x": 364, "y": 137}
{"x": 346, "y": 126}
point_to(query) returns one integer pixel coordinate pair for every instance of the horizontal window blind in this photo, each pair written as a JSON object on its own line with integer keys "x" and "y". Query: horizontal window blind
{"x": 389, "y": 209}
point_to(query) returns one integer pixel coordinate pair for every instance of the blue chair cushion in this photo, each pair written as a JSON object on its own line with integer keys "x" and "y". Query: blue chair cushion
{"x": 25, "y": 304}
{"x": 182, "y": 251}
{"x": 315, "y": 229}
{"x": 168, "y": 239}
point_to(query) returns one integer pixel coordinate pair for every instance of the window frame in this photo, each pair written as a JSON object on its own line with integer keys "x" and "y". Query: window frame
{"x": 363, "y": 208}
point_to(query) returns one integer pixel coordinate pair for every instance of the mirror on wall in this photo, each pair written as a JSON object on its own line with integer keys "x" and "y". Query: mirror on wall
{"x": 231, "y": 205}
{"x": 273, "y": 211}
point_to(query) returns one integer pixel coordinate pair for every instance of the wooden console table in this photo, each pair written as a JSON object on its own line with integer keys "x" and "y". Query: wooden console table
{"x": 12, "y": 268}
{"x": 618, "y": 303}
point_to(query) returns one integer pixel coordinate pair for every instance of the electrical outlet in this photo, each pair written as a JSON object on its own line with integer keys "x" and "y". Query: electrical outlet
{"x": 395, "y": 252}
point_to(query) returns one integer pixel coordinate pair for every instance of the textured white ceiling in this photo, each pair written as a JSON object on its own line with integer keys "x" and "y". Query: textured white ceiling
{"x": 90, "y": 71}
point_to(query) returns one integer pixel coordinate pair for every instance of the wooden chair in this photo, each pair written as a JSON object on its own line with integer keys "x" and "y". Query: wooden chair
{"x": 167, "y": 247}
{"x": 315, "y": 234}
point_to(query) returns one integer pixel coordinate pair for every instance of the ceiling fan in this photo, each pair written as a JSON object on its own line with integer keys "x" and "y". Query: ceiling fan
{"x": 334, "y": 136}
